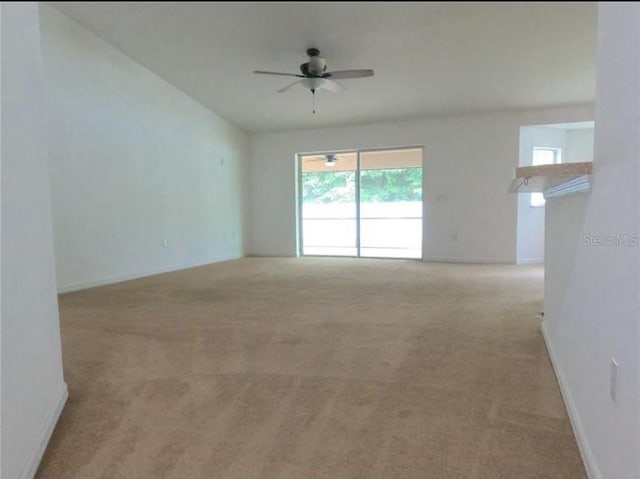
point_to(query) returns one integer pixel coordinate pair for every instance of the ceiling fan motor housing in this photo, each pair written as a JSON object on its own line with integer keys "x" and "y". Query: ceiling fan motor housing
{"x": 316, "y": 65}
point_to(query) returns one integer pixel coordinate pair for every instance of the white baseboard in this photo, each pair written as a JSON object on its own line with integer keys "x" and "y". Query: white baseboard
{"x": 44, "y": 435}
{"x": 433, "y": 259}
{"x": 68, "y": 288}
{"x": 430, "y": 259}
{"x": 531, "y": 261}
{"x": 589, "y": 460}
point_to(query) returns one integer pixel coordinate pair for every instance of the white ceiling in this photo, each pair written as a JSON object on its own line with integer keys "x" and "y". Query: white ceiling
{"x": 429, "y": 58}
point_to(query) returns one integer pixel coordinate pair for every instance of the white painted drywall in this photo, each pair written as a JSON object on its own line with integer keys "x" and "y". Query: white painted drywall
{"x": 531, "y": 218}
{"x": 579, "y": 145}
{"x": 33, "y": 390}
{"x": 592, "y": 292}
{"x": 134, "y": 162}
{"x": 468, "y": 165}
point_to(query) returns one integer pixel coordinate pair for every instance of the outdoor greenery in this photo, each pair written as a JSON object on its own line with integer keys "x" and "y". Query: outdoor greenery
{"x": 390, "y": 185}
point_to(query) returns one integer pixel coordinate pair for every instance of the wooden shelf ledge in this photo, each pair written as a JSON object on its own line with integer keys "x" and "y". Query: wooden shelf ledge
{"x": 553, "y": 180}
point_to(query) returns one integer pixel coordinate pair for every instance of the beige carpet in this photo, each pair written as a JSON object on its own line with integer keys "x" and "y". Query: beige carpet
{"x": 312, "y": 368}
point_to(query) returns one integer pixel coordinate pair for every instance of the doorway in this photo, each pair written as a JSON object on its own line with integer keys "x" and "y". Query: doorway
{"x": 362, "y": 203}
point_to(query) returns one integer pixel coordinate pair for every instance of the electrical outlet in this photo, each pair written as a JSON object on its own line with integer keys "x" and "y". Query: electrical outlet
{"x": 613, "y": 380}
{"x": 165, "y": 243}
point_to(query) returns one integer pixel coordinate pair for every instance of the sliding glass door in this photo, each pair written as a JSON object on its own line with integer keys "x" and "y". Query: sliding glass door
{"x": 362, "y": 203}
{"x": 329, "y": 210}
{"x": 391, "y": 203}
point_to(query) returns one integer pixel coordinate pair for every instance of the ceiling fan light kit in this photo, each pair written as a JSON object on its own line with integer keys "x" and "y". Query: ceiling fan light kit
{"x": 313, "y": 83}
{"x": 315, "y": 76}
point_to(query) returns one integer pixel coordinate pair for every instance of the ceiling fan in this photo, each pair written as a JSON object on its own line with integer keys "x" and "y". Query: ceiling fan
{"x": 329, "y": 159}
{"x": 315, "y": 75}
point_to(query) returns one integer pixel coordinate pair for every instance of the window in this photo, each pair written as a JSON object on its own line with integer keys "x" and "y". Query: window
{"x": 544, "y": 156}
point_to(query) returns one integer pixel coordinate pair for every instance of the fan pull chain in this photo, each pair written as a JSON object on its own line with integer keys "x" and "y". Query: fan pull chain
{"x": 313, "y": 95}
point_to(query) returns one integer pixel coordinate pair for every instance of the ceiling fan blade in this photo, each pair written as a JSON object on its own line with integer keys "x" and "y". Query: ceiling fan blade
{"x": 346, "y": 74}
{"x": 333, "y": 86}
{"x": 288, "y": 86}
{"x": 260, "y": 72}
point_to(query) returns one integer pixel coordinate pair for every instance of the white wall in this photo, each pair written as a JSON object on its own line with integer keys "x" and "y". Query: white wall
{"x": 592, "y": 292}
{"x": 134, "y": 162}
{"x": 579, "y": 145}
{"x": 531, "y": 219}
{"x": 33, "y": 390}
{"x": 468, "y": 166}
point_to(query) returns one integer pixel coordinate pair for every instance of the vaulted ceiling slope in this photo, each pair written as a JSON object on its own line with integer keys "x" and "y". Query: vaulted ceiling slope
{"x": 429, "y": 58}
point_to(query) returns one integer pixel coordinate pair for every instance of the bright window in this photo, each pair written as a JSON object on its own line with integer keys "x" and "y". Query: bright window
{"x": 544, "y": 156}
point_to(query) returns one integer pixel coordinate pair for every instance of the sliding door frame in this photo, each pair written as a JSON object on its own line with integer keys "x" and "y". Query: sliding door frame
{"x": 357, "y": 183}
{"x": 299, "y": 224}
{"x": 358, "y": 152}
